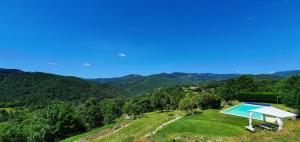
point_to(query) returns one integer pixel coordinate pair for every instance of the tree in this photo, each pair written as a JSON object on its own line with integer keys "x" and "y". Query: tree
{"x": 110, "y": 109}
{"x": 210, "y": 101}
{"x": 175, "y": 94}
{"x": 167, "y": 98}
{"x": 190, "y": 102}
{"x": 127, "y": 108}
{"x": 62, "y": 121}
{"x": 36, "y": 129}
{"x": 197, "y": 99}
{"x": 137, "y": 106}
{"x": 291, "y": 91}
{"x": 160, "y": 100}
{"x": 92, "y": 113}
{"x": 243, "y": 83}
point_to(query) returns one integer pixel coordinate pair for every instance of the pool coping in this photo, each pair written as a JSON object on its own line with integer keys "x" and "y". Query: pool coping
{"x": 222, "y": 111}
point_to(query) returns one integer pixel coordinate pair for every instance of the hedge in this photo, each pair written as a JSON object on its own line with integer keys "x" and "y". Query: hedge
{"x": 266, "y": 97}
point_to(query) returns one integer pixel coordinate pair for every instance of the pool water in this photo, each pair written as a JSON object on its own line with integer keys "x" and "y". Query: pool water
{"x": 243, "y": 111}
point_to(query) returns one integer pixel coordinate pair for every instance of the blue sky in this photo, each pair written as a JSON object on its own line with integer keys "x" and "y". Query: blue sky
{"x": 109, "y": 38}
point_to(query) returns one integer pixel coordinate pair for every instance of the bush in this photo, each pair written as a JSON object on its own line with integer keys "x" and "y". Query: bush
{"x": 266, "y": 97}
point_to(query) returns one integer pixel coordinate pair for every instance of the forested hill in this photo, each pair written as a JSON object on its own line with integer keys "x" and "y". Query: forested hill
{"x": 26, "y": 88}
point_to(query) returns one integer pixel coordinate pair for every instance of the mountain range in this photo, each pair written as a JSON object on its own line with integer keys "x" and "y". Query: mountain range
{"x": 138, "y": 84}
{"x": 18, "y": 87}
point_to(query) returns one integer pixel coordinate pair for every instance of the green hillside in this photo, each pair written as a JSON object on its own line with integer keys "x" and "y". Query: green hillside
{"x": 19, "y": 88}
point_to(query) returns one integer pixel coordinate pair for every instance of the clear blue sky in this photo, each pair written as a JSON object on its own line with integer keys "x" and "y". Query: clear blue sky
{"x": 108, "y": 38}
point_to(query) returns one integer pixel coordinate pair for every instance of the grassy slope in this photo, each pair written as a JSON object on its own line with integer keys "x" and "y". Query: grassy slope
{"x": 77, "y": 137}
{"x": 209, "y": 123}
{"x": 140, "y": 127}
{"x": 94, "y": 131}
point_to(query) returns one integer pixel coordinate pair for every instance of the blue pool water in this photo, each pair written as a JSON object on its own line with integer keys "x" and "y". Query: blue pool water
{"x": 243, "y": 111}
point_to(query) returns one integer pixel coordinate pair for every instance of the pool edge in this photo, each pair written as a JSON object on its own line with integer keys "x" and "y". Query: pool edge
{"x": 222, "y": 111}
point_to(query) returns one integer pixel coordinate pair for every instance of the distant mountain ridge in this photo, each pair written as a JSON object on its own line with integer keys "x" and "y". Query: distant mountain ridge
{"x": 287, "y": 73}
{"x": 138, "y": 84}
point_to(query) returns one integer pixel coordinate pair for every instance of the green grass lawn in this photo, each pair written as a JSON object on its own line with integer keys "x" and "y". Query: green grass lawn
{"x": 215, "y": 126}
{"x": 207, "y": 124}
{"x": 140, "y": 127}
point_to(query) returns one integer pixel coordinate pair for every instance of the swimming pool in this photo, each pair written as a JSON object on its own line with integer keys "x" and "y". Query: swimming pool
{"x": 243, "y": 111}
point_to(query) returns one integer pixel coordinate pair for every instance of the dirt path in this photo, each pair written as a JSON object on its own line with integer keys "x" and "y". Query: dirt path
{"x": 104, "y": 133}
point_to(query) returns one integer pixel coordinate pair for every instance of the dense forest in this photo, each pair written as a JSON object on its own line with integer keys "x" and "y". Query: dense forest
{"x": 43, "y": 107}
